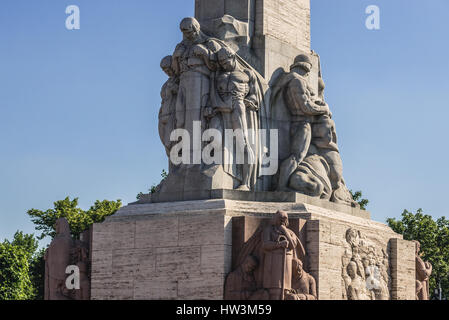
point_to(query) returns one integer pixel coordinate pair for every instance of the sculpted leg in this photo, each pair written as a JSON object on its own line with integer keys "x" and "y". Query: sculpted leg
{"x": 306, "y": 184}
{"x": 239, "y": 122}
{"x": 300, "y": 145}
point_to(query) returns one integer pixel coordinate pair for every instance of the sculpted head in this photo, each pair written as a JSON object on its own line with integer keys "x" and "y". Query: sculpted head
{"x": 191, "y": 28}
{"x": 226, "y": 58}
{"x": 302, "y": 63}
{"x": 297, "y": 268}
{"x": 280, "y": 219}
{"x": 352, "y": 236}
{"x": 250, "y": 264}
{"x": 166, "y": 66}
{"x": 62, "y": 227}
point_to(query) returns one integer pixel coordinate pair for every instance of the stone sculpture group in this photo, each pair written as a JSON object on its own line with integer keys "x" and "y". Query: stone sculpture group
{"x": 212, "y": 87}
{"x": 365, "y": 269}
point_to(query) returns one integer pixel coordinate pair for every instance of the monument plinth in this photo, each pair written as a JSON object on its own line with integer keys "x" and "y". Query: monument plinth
{"x": 220, "y": 228}
{"x": 185, "y": 250}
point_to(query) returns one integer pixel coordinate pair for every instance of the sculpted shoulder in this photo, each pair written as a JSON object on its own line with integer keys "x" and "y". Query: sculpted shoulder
{"x": 213, "y": 45}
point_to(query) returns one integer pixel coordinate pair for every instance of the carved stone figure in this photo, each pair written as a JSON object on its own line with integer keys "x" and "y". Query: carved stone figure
{"x": 368, "y": 265}
{"x": 279, "y": 275}
{"x": 303, "y": 106}
{"x": 423, "y": 273}
{"x": 236, "y": 99}
{"x": 357, "y": 287}
{"x": 193, "y": 61}
{"x": 167, "y": 113}
{"x": 241, "y": 284}
{"x": 63, "y": 252}
{"x": 57, "y": 258}
{"x": 280, "y": 245}
{"x": 303, "y": 284}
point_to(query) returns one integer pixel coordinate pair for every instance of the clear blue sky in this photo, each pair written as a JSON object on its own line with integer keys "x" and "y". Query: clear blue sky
{"x": 78, "y": 109}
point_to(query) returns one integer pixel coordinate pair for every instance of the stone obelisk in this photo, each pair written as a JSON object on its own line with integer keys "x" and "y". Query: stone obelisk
{"x": 277, "y": 31}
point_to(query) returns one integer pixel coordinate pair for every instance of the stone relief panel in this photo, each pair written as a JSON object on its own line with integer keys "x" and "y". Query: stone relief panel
{"x": 365, "y": 269}
{"x": 63, "y": 252}
{"x": 270, "y": 266}
{"x": 423, "y": 273}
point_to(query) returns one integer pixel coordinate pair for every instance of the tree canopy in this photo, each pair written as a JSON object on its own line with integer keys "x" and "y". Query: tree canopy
{"x": 16, "y": 257}
{"x": 79, "y": 220}
{"x": 358, "y": 196}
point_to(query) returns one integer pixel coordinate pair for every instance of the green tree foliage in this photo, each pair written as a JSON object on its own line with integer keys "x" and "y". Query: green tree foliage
{"x": 22, "y": 246}
{"x": 434, "y": 238}
{"x": 357, "y": 196}
{"x": 15, "y": 258}
{"x": 37, "y": 274}
{"x": 79, "y": 220}
{"x": 154, "y": 187}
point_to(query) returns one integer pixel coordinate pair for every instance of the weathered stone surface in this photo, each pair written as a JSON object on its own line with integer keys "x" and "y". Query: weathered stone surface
{"x": 402, "y": 259}
{"x": 273, "y": 197}
{"x": 205, "y": 241}
{"x": 171, "y": 252}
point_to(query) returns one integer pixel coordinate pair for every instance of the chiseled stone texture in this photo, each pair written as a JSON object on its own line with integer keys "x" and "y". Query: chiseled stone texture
{"x": 161, "y": 257}
{"x": 286, "y": 20}
{"x": 402, "y": 260}
{"x": 183, "y": 250}
{"x": 279, "y": 30}
{"x": 326, "y": 245}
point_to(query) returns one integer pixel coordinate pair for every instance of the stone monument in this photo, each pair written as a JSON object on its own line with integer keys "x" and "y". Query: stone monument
{"x": 255, "y": 205}
{"x": 65, "y": 251}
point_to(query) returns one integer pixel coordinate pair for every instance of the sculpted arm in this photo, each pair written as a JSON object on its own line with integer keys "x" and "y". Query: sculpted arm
{"x": 268, "y": 245}
{"x": 298, "y": 92}
{"x": 179, "y": 51}
{"x": 208, "y": 53}
{"x": 312, "y": 285}
{"x": 251, "y": 98}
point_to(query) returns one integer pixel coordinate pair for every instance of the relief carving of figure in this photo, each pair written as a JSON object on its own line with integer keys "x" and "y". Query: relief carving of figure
{"x": 194, "y": 59}
{"x": 364, "y": 269}
{"x": 303, "y": 284}
{"x": 57, "y": 258}
{"x": 314, "y": 166}
{"x": 241, "y": 283}
{"x": 423, "y": 273}
{"x": 234, "y": 97}
{"x": 280, "y": 245}
{"x": 63, "y": 252}
{"x": 304, "y": 106}
{"x": 167, "y": 113}
{"x": 269, "y": 266}
{"x": 357, "y": 286}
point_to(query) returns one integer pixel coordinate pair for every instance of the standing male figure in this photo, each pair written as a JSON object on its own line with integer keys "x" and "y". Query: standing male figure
{"x": 280, "y": 245}
{"x": 236, "y": 99}
{"x": 193, "y": 61}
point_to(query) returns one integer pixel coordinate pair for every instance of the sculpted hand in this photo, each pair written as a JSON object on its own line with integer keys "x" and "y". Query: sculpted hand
{"x": 283, "y": 244}
{"x": 200, "y": 51}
